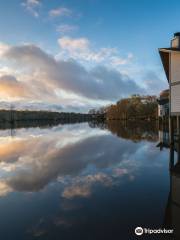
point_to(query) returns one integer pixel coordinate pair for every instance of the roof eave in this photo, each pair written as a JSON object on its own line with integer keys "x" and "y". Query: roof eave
{"x": 164, "y": 54}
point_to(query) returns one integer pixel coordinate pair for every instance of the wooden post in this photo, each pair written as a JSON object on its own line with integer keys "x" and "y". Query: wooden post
{"x": 178, "y": 126}
{"x": 171, "y": 157}
{"x": 171, "y": 130}
{"x": 178, "y": 138}
{"x": 163, "y": 124}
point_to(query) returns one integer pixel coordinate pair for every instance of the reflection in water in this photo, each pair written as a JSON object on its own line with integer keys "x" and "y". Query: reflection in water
{"x": 80, "y": 181}
{"x": 34, "y": 157}
{"x": 132, "y": 130}
{"x": 172, "y": 214}
{"x": 172, "y": 210}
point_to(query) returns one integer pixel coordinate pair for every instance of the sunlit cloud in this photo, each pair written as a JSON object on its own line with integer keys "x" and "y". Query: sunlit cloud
{"x": 3, "y": 48}
{"x": 71, "y": 44}
{"x": 47, "y": 74}
{"x": 30, "y": 74}
{"x": 81, "y": 49}
{"x": 10, "y": 87}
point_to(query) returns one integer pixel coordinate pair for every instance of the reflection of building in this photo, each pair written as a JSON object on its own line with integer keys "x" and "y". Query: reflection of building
{"x": 163, "y": 139}
{"x": 172, "y": 214}
{"x": 163, "y": 103}
{"x": 163, "y": 133}
{"x": 172, "y": 211}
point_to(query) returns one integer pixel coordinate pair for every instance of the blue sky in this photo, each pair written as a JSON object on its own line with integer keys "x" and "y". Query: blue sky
{"x": 101, "y": 50}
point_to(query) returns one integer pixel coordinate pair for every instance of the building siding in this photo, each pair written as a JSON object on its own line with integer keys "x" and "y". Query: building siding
{"x": 175, "y": 99}
{"x": 175, "y": 67}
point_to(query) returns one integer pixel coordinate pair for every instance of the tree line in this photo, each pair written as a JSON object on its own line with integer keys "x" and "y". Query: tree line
{"x": 18, "y": 115}
{"x": 134, "y": 107}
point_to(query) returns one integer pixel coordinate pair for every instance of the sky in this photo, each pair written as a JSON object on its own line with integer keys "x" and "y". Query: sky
{"x": 74, "y": 55}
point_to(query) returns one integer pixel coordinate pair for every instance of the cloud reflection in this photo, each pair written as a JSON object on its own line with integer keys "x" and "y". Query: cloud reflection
{"x": 77, "y": 156}
{"x": 82, "y": 186}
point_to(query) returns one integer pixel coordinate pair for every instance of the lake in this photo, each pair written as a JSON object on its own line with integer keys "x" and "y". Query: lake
{"x": 86, "y": 181}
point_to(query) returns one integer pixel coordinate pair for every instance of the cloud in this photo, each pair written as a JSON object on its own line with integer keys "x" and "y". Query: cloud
{"x": 60, "y": 12}
{"x": 153, "y": 83}
{"x": 3, "y": 48}
{"x": 50, "y": 74}
{"x": 33, "y": 75}
{"x": 38, "y": 105}
{"x": 66, "y": 28}
{"x": 73, "y": 45}
{"x": 116, "y": 61}
{"x": 11, "y": 87}
{"x": 81, "y": 49}
{"x": 32, "y": 6}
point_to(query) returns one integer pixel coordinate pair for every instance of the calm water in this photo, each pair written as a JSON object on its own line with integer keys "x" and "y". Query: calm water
{"x": 84, "y": 181}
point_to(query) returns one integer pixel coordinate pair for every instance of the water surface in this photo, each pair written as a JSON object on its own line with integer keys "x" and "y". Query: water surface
{"x": 82, "y": 181}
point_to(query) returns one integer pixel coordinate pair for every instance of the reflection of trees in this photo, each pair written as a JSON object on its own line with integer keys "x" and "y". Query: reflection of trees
{"x": 98, "y": 124}
{"x": 134, "y": 130}
{"x": 37, "y": 123}
{"x": 17, "y": 118}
